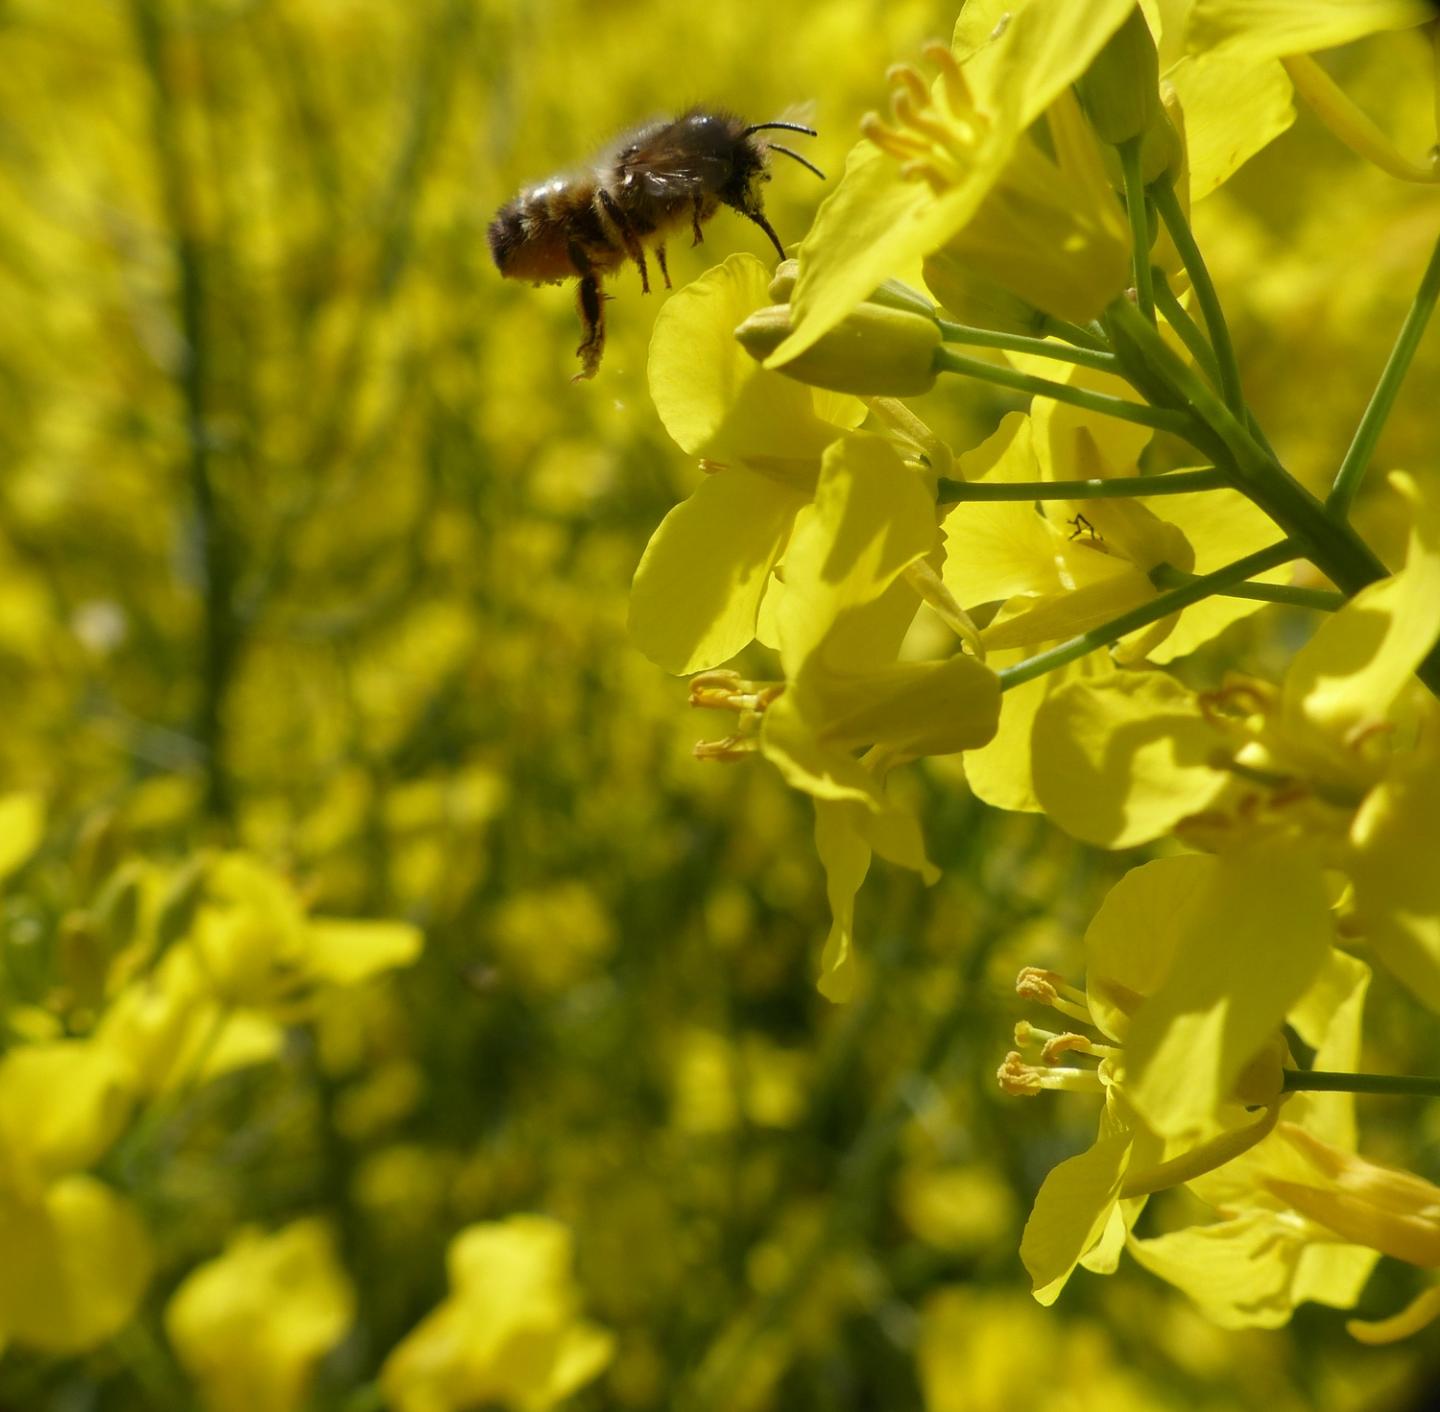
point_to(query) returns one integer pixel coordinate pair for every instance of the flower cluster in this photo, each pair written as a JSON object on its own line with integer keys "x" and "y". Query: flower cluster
{"x": 1038, "y": 603}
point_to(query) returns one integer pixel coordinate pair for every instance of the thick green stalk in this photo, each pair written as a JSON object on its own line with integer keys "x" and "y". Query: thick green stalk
{"x": 1159, "y": 607}
{"x": 1324, "y": 1081}
{"x": 1171, "y": 212}
{"x": 1019, "y": 343}
{"x": 1357, "y": 458}
{"x": 1113, "y": 488}
{"x": 1162, "y": 418}
{"x": 1334, "y": 547}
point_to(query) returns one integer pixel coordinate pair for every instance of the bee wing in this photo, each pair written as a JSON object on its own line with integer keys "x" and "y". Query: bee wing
{"x": 670, "y": 172}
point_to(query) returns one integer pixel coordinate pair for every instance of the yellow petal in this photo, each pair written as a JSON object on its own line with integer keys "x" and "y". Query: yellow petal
{"x": 76, "y": 1266}
{"x": 1252, "y": 937}
{"x": 1391, "y": 861}
{"x": 846, "y": 859}
{"x": 1121, "y": 761}
{"x": 250, "y": 1325}
{"x": 1057, "y": 616}
{"x": 877, "y": 221}
{"x": 61, "y": 1106}
{"x": 1243, "y": 1272}
{"x": 1361, "y": 658}
{"x": 698, "y": 589}
{"x": 348, "y": 952}
{"x": 22, "y": 826}
{"x": 1234, "y": 106}
{"x": 1267, "y": 29}
{"x": 713, "y": 398}
{"x": 1071, "y": 1213}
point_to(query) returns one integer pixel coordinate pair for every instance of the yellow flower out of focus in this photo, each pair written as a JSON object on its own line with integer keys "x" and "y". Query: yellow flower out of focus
{"x": 251, "y": 1325}
{"x": 77, "y": 1257}
{"x": 509, "y": 1332}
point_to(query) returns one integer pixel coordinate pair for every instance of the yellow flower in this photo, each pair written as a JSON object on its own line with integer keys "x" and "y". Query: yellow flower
{"x": 1258, "y": 1260}
{"x": 1341, "y": 761}
{"x": 700, "y": 584}
{"x": 77, "y": 1256}
{"x": 1291, "y": 30}
{"x": 1188, "y": 991}
{"x": 1079, "y": 564}
{"x": 508, "y": 1333}
{"x": 251, "y": 1325}
{"x": 958, "y": 140}
{"x": 846, "y": 608}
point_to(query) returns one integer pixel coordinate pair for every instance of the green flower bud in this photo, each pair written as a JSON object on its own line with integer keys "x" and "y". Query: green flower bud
{"x": 1120, "y": 90}
{"x": 876, "y": 352}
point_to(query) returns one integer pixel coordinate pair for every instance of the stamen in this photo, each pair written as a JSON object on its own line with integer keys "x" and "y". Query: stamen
{"x": 1066, "y": 1043}
{"x": 1050, "y": 988}
{"x": 732, "y": 748}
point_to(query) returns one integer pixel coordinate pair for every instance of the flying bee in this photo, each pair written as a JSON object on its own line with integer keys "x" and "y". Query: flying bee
{"x": 646, "y": 185}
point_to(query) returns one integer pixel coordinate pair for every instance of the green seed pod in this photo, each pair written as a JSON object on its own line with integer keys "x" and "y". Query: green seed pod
{"x": 1121, "y": 89}
{"x": 875, "y": 352}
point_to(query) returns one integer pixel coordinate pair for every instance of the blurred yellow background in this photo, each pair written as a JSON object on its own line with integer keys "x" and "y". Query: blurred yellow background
{"x": 309, "y": 545}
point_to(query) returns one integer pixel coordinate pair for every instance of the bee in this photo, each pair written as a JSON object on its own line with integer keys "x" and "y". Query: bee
{"x": 649, "y": 183}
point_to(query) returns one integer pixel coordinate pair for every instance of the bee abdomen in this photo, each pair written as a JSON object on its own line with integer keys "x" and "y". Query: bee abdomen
{"x": 551, "y": 232}
{"x": 507, "y": 234}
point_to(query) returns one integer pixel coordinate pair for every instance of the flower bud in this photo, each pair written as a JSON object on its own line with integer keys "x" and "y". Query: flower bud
{"x": 1120, "y": 91}
{"x": 875, "y": 352}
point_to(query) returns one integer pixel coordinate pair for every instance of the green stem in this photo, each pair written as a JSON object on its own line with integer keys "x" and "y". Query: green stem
{"x": 1334, "y": 547}
{"x": 1139, "y": 225}
{"x": 1162, "y": 418}
{"x": 1324, "y": 1081}
{"x": 1178, "y": 317}
{"x": 1326, "y": 600}
{"x": 1357, "y": 458}
{"x": 1115, "y": 487}
{"x": 1171, "y": 212}
{"x": 1171, "y": 601}
{"x": 1188, "y": 330}
{"x": 1019, "y": 343}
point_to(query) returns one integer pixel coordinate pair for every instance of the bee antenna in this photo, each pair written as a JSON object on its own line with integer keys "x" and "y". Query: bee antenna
{"x": 789, "y": 127}
{"x": 804, "y": 161}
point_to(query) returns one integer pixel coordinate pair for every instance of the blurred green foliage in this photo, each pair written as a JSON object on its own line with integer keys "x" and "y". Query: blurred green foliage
{"x": 310, "y": 547}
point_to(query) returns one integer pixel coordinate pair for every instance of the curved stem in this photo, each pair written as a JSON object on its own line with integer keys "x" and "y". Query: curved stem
{"x": 1326, "y": 1081}
{"x": 1114, "y": 487}
{"x": 1162, "y": 418}
{"x": 1159, "y": 607}
{"x": 1171, "y": 212}
{"x": 1357, "y": 458}
{"x": 1139, "y": 225}
{"x": 1019, "y": 343}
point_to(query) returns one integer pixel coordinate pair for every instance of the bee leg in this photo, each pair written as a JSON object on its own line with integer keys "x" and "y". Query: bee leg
{"x": 591, "y": 303}
{"x": 660, "y": 260}
{"x": 633, "y": 248}
{"x": 695, "y": 225}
